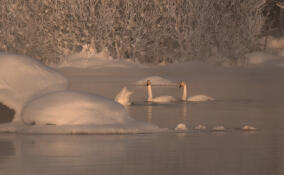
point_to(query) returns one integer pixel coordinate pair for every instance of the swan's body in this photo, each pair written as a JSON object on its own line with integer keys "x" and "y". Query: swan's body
{"x": 123, "y": 97}
{"x": 161, "y": 99}
{"x": 195, "y": 98}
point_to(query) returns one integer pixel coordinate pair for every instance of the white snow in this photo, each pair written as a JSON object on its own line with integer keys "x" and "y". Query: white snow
{"x": 23, "y": 78}
{"x": 275, "y": 43}
{"x": 88, "y": 58}
{"x": 74, "y": 108}
{"x": 200, "y": 127}
{"x": 257, "y": 58}
{"x": 43, "y": 105}
{"x": 181, "y": 127}
{"x": 123, "y": 97}
{"x": 248, "y": 128}
{"x": 155, "y": 80}
{"x": 77, "y": 112}
{"x": 272, "y": 56}
{"x": 218, "y": 128}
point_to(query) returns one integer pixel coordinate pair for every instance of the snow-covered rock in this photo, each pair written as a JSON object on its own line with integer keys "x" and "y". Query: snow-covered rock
{"x": 181, "y": 127}
{"x": 23, "y": 78}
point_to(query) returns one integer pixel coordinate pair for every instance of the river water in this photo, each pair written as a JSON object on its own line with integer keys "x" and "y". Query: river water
{"x": 243, "y": 97}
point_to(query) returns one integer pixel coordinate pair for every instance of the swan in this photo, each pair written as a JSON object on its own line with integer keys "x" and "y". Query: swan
{"x": 123, "y": 97}
{"x": 161, "y": 99}
{"x": 195, "y": 98}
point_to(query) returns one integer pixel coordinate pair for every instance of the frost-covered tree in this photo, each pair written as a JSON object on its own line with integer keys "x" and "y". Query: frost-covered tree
{"x": 146, "y": 31}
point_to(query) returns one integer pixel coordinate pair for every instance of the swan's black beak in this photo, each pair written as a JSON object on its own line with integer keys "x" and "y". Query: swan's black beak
{"x": 180, "y": 86}
{"x": 148, "y": 83}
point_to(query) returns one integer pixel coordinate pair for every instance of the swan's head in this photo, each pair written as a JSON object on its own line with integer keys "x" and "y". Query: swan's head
{"x": 148, "y": 82}
{"x": 182, "y": 84}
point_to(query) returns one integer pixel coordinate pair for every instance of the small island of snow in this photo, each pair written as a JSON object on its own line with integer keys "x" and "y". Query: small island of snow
{"x": 155, "y": 80}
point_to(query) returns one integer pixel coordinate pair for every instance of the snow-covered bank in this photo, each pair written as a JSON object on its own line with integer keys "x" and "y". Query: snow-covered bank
{"x": 74, "y": 108}
{"x": 272, "y": 56}
{"x": 22, "y": 79}
{"x": 43, "y": 104}
{"x": 155, "y": 80}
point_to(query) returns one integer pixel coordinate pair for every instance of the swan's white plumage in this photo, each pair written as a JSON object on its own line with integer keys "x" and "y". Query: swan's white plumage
{"x": 161, "y": 99}
{"x": 123, "y": 97}
{"x": 200, "y": 98}
{"x": 195, "y": 98}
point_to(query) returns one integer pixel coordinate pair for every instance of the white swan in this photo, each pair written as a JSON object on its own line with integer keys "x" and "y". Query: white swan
{"x": 195, "y": 98}
{"x": 123, "y": 97}
{"x": 161, "y": 99}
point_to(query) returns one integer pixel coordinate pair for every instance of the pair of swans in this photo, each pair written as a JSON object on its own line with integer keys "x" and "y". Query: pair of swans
{"x": 124, "y": 95}
{"x": 168, "y": 99}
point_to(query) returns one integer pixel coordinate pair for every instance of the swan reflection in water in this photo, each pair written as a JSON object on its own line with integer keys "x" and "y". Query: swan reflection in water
{"x": 184, "y": 112}
{"x": 149, "y": 113}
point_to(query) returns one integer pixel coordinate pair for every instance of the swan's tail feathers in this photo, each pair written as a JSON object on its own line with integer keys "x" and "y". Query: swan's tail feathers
{"x": 123, "y": 97}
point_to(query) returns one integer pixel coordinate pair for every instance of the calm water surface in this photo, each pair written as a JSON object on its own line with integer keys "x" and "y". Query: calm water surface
{"x": 195, "y": 152}
{"x": 243, "y": 97}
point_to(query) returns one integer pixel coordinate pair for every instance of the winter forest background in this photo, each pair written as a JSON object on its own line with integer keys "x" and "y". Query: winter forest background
{"x": 146, "y": 31}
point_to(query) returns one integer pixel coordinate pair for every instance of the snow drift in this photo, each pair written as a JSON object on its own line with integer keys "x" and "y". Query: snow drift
{"x": 74, "y": 108}
{"x": 43, "y": 105}
{"x": 23, "y": 78}
{"x": 155, "y": 80}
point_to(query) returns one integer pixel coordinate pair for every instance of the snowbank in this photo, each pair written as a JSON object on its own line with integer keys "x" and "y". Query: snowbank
{"x": 74, "y": 108}
{"x": 23, "y": 78}
{"x": 272, "y": 56}
{"x": 77, "y": 112}
{"x": 88, "y": 58}
{"x": 257, "y": 58}
{"x": 155, "y": 80}
{"x": 275, "y": 43}
{"x": 181, "y": 127}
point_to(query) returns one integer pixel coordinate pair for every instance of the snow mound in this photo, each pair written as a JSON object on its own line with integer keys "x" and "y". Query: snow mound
{"x": 123, "y": 97}
{"x": 218, "y": 128}
{"x": 74, "y": 108}
{"x": 275, "y": 43}
{"x": 23, "y": 78}
{"x": 248, "y": 128}
{"x": 200, "y": 98}
{"x": 155, "y": 80}
{"x": 257, "y": 58}
{"x": 200, "y": 127}
{"x": 72, "y": 112}
{"x": 89, "y": 58}
{"x": 181, "y": 127}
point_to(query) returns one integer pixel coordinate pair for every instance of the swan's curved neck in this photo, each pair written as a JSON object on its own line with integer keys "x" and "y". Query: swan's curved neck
{"x": 184, "y": 94}
{"x": 150, "y": 96}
